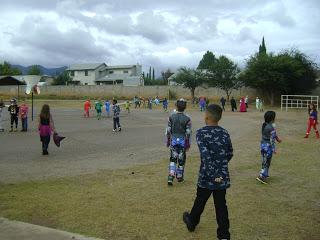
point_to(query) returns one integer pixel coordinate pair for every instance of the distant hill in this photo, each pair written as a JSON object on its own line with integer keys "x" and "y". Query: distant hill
{"x": 44, "y": 70}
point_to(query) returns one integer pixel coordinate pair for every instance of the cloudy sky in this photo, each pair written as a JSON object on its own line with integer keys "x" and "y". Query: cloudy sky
{"x": 166, "y": 33}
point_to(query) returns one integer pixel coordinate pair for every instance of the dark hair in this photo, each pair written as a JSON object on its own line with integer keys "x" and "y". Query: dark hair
{"x": 45, "y": 112}
{"x": 215, "y": 111}
{"x": 181, "y": 105}
{"x": 269, "y": 117}
{"x": 313, "y": 108}
{"x": 115, "y": 101}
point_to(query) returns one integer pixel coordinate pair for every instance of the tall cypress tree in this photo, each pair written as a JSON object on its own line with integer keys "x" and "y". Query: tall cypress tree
{"x": 262, "y": 47}
{"x": 153, "y": 77}
{"x": 150, "y": 73}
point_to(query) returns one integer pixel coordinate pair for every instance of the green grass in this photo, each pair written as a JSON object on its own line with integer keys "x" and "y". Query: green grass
{"x": 120, "y": 205}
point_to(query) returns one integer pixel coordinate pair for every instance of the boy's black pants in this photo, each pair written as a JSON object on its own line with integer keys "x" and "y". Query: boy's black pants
{"x": 116, "y": 123}
{"x": 219, "y": 197}
{"x": 14, "y": 119}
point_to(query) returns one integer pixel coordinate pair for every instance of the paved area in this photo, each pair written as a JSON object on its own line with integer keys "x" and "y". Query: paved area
{"x": 90, "y": 144}
{"x": 13, "y": 230}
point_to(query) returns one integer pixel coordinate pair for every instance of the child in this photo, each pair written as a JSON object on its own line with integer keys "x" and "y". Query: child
{"x": 202, "y": 104}
{"x": 223, "y": 103}
{"x": 233, "y": 104}
{"x": 178, "y": 139}
{"x": 98, "y": 107}
{"x": 87, "y": 107}
{"x": 116, "y": 113}
{"x": 257, "y": 103}
{"x": 261, "y": 105}
{"x": 165, "y": 104}
{"x": 107, "y": 104}
{"x": 215, "y": 151}
{"x": 313, "y": 120}
{"x": 46, "y": 126}
{"x": 269, "y": 136}
{"x": 1, "y": 114}
{"x": 14, "y": 112}
{"x": 24, "y": 116}
{"x": 127, "y": 106}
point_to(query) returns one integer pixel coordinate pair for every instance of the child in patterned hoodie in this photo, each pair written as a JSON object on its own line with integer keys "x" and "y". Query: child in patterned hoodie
{"x": 116, "y": 113}
{"x": 215, "y": 151}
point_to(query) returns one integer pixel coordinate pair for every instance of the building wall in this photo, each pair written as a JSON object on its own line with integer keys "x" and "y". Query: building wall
{"x": 79, "y": 75}
{"x": 120, "y": 91}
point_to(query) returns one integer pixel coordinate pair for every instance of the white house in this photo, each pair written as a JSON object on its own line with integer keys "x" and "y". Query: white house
{"x": 101, "y": 74}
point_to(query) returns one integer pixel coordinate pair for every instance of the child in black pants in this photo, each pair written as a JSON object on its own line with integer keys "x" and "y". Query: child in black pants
{"x": 216, "y": 151}
{"x": 116, "y": 113}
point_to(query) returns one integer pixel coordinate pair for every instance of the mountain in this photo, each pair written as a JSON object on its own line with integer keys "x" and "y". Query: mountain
{"x": 44, "y": 70}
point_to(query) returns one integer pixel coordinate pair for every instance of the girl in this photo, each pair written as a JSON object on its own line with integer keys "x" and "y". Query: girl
{"x": 1, "y": 114}
{"x": 313, "y": 120}
{"x": 46, "y": 126}
{"x": 269, "y": 136}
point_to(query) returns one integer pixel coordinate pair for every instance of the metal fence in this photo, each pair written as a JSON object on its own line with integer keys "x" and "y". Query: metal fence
{"x": 298, "y": 101}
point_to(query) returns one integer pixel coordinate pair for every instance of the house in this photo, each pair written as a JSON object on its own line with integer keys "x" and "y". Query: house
{"x": 101, "y": 74}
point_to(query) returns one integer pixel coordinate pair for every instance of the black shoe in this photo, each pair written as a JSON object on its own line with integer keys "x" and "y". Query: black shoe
{"x": 45, "y": 152}
{"x": 119, "y": 129}
{"x": 186, "y": 219}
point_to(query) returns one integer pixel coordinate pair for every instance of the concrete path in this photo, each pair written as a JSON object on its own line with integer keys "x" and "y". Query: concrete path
{"x": 13, "y": 230}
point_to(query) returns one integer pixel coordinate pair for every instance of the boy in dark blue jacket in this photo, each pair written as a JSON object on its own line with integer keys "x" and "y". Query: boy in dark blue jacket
{"x": 216, "y": 151}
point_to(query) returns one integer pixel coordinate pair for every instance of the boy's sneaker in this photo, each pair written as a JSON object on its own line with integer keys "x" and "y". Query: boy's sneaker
{"x": 180, "y": 180}
{"x": 186, "y": 219}
{"x": 119, "y": 129}
{"x": 16, "y": 130}
{"x": 114, "y": 130}
{"x": 170, "y": 180}
{"x": 261, "y": 179}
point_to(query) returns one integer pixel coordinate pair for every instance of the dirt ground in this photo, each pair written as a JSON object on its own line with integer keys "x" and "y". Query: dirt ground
{"x": 90, "y": 145}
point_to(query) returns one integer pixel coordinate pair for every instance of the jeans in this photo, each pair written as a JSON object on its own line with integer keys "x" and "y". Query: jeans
{"x": 24, "y": 124}
{"x": 45, "y": 142}
{"x": 219, "y": 198}
{"x": 116, "y": 123}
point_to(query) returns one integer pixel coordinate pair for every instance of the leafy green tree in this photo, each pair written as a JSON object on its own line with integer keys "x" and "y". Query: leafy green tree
{"x": 223, "y": 74}
{"x": 289, "y": 72}
{"x": 34, "y": 70}
{"x": 190, "y": 78}
{"x": 166, "y": 74}
{"x": 207, "y": 60}
{"x": 62, "y": 79}
{"x": 7, "y": 69}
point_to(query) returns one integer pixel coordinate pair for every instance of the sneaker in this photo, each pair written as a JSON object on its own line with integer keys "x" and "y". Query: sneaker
{"x": 11, "y": 130}
{"x": 261, "y": 179}
{"x": 114, "y": 130}
{"x": 306, "y": 136}
{"x": 119, "y": 129}
{"x": 186, "y": 219}
{"x": 180, "y": 180}
{"x": 170, "y": 180}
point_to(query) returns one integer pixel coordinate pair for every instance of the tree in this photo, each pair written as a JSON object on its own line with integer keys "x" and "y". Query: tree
{"x": 223, "y": 74}
{"x": 262, "y": 47}
{"x": 153, "y": 76}
{"x": 149, "y": 73}
{"x": 34, "y": 70}
{"x": 166, "y": 74}
{"x": 62, "y": 79}
{"x": 289, "y": 72}
{"x": 190, "y": 78}
{"x": 207, "y": 60}
{"x": 7, "y": 69}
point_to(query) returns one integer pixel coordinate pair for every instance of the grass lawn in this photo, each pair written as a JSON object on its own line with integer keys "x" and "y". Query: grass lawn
{"x": 121, "y": 205}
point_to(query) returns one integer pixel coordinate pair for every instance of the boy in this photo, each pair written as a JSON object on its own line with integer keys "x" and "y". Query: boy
{"x": 14, "y": 112}
{"x": 98, "y": 107}
{"x": 165, "y": 104}
{"x": 216, "y": 151}
{"x": 1, "y": 114}
{"x": 178, "y": 139}
{"x": 24, "y": 116}
{"x": 127, "y": 106}
{"x": 116, "y": 113}
{"x": 107, "y": 104}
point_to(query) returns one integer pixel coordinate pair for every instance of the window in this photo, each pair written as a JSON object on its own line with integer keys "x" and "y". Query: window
{"x": 125, "y": 71}
{"x": 110, "y": 72}
{"x": 72, "y": 73}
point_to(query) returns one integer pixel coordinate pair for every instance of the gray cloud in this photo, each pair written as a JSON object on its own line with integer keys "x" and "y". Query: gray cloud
{"x": 161, "y": 33}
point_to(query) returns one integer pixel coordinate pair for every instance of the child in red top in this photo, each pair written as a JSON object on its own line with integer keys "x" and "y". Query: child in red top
{"x": 87, "y": 107}
{"x": 313, "y": 120}
{"x": 24, "y": 116}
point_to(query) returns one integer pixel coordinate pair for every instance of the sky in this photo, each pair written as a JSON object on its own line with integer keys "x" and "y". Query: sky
{"x": 162, "y": 34}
